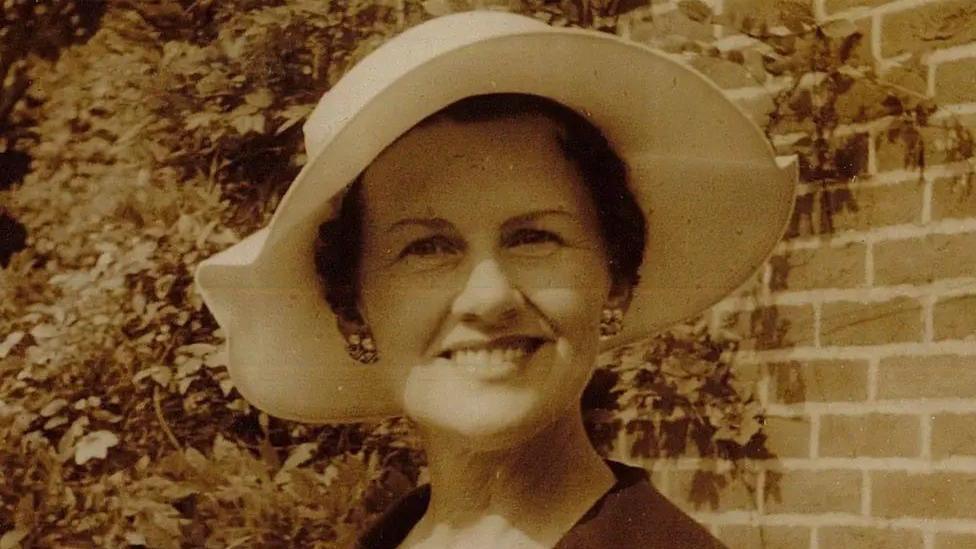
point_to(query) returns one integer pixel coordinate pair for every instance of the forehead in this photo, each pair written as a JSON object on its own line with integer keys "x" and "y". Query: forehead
{"x": 498, "y": 167}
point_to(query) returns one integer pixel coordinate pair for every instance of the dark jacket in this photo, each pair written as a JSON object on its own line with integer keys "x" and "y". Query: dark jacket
{"x": 632, "y": 514}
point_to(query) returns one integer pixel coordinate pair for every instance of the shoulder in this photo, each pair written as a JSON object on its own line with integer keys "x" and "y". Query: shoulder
{"x": 393, "y": 526}
{"x": 635, "y": 515}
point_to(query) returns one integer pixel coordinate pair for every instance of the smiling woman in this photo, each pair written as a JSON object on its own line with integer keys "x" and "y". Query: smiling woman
{"x": 478, "y": 243}
{"x": 485, "y": 244}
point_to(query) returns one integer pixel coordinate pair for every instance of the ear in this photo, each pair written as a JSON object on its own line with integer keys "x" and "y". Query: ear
{"x": 350, "y": 322}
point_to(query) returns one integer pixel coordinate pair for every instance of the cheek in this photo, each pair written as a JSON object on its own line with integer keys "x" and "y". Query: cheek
{"x": 401, "y": 315}
{"x": 573, "y": 312}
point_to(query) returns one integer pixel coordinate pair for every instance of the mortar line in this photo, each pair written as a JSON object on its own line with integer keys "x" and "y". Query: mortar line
{"x": 925, "y": 436}
{"x": 814, "y": 435}
{"x": 927, "y": 201}
{"x": 866, "y": 493}
{"x": 869, "y": 264}
{"x": 873, "y": 367}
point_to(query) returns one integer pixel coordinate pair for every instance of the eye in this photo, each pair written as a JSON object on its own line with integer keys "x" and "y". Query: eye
{"x": 429, "y": 247}
{"x": 534, "y": 241}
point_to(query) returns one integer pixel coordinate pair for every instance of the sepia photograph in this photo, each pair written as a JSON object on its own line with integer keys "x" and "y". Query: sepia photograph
{"x": 472, "y": 274}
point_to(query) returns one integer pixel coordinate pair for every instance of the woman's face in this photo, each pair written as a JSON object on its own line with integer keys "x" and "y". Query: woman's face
{"x": 483, "y": 275}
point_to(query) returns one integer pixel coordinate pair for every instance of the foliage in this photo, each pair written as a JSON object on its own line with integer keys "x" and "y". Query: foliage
{"x": 676, "y": 389}
{"x": 109, "y": 360}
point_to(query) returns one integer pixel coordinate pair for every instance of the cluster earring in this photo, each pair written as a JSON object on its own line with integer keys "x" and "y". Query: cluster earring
{"x": 611, "y": 322}
{"x": 360, "y": 347}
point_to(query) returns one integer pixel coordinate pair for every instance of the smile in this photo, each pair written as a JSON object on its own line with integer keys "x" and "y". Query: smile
{"x": 496, "y": 352}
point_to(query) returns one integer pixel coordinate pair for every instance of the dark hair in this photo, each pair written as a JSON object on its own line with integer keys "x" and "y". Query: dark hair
{"x": 622, "y": 223}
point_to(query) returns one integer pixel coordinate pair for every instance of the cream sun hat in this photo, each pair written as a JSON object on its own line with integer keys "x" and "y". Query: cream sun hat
{"x": 715, "y": 198}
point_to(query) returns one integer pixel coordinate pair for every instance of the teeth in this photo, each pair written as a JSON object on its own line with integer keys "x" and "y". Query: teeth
{"x": 488, "y": 356}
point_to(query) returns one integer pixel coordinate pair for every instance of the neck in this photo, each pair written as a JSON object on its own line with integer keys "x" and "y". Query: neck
{"x": 538, "y": 488}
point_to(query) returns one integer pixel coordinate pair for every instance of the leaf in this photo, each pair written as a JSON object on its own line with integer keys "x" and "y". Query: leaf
{"x": 796, "y": 14}
{"x": 197, "y": 349}
{"x": 94, "y": 445}
{"x": 438, "y": 8}
{"x": 261, "y": 98}
{"x": 160, "y": 374}
{"x": 293, "y": 115}
{"x": 53, "y": 407}
{"x": 12, "y": 539}
{"x": 696, "y": 10}
{"x": 9, "y": 342}
{"x": 302, "y": 453}
{"x": 232, "y": 48}
{"x": 248, "y": 123}
{"x": 199, "y": 120}
{"x": 839, "y": 28}
{"x": 44, "y": 331}
{"x": 189, "y": 367}
{"x": 735, "y": 56}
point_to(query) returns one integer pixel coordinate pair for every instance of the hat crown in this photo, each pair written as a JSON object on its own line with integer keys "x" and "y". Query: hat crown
{"x": 399, "y": 56}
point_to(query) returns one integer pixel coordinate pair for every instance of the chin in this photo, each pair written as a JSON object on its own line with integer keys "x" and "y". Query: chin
{"x": 486, "y": 424}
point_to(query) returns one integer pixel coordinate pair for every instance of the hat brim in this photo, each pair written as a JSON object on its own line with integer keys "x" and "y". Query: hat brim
{"x": 715, "y": 199}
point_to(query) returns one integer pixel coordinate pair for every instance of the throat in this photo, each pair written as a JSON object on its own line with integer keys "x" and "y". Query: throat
{"x": 538, "y": 489}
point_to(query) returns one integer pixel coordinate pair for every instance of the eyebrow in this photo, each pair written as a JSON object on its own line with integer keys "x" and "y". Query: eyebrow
{"x": 439, "y": 223}
{"x": 432, "y": 223}
{"x": 532, "y": 216}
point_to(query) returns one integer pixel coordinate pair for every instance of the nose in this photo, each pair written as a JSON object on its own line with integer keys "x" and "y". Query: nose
{"x": 488, "y": 296}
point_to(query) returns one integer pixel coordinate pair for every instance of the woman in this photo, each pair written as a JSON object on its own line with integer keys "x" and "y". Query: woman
{"x": 484, "y": 194}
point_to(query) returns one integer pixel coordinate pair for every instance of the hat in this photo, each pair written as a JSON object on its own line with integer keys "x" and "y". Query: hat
{"x": 715, "y": 198}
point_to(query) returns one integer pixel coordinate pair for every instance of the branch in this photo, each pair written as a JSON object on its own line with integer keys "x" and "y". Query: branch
{"x": 10, "y": 97}
{"x": 162, "y": 421}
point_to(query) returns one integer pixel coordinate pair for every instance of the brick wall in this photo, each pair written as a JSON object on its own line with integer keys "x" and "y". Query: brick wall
{"x": 869, "y": 380}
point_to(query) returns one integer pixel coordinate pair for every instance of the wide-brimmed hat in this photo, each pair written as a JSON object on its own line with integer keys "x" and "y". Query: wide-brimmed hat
{"x": 715, "y": 198}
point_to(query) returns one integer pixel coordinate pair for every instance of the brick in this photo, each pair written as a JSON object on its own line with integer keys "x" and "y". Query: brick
{"x": 805, "y": 220}
{"x": 953, "y": 198}
{"x": 787, "y": 437}
{"x": 955, "y": 318}
{"x": 748, "y": 374}
{"x": 955, "y": 81}
{"x": 924, "y": 260}
{"x": 834, "y": 6}
{"x": 765, "y": 536}
{"x": 657, "y": 26}
{"x": 813, "y": 491}
{"x": 862, "y": 102}
{"x": 953, "y": 435}
{"x": 850, "y": 323}
{"x": 898, "y": 149}
{"x": 870, "y": 207}
{"x": 726, "y": 74}
{"x": 870, "y": 538}
{"x": 862, "y": 54}
{"x": 928, "y": 27}
{"x": 818, "y": 381}
{"x": 703, "y": 490}
{"x": 943, "y": 495}
{"x": 758, "y": 9}
{"x": 947, "y": 540}
{"x": 912, "y": 75}
{"x": 870, "y": 435}
{"x": 943, "y": 376}
{"x": 825, "y": 267}
{"x": 772, "y": 327}
{"x": 841, "y": 209}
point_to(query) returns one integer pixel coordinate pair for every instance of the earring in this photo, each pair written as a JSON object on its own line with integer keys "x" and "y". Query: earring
{"x": 361, "y": 348}
{"x": 611, "y": 322}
